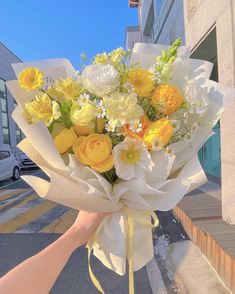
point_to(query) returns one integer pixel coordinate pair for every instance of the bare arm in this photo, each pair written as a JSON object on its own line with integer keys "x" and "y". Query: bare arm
{"x": 38, "y": 274}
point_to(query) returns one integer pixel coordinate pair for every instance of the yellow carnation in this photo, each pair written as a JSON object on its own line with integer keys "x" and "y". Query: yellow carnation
{"x": 42, "y": 109}
{"x": 65, "y": 89}
{"x": 82, "y": 115}
{"x": 31, "y": 78}
{"x": 95, "y": 150}
{"x": 167, "y": 99}
{"x": 159, "y": 133}
{"x": 142, "y": 81}
{"x": 65, "y": 139}
{"x": 122, "y": 108}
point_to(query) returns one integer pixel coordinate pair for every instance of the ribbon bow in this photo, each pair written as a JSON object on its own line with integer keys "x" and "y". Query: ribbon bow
{"x": 131, "y": 216}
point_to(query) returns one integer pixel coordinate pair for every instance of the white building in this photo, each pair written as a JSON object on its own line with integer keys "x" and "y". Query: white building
{"x": 208, "y": 28}
{"x": 132, "y": 36}
{"x": 9, "y": 131}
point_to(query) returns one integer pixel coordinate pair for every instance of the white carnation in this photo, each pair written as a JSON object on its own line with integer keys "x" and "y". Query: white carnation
{"x": 100, "y": 79}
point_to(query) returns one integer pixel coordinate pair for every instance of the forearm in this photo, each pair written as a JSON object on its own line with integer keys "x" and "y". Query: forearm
{"x": 38, "y": 273}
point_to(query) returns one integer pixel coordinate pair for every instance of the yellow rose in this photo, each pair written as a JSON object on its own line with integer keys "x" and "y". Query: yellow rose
{"x": 159, "y": 132}
{"x": 82, "y": 115}
{"x": 65, "y": 139}
{"x": 95, "y": 150}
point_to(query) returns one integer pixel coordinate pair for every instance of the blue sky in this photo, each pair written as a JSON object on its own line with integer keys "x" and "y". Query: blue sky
{"x": 42, "y": 29}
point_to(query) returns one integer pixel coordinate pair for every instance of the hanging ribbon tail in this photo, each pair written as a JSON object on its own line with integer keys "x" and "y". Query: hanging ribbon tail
{"x": 92, "y": 276}
{"x": 144, "y": 218}
{"x": 89, "y": 246}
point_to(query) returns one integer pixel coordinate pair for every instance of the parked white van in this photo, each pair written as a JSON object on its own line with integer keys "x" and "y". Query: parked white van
{"x": 9, "y": 167}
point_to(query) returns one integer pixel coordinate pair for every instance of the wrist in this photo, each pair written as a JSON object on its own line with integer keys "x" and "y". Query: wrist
{"x": 74, "y": 236}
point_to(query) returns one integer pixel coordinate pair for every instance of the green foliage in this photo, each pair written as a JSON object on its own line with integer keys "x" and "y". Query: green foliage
{"x": 164, "y": 62}
{"x": 65, "y": 108}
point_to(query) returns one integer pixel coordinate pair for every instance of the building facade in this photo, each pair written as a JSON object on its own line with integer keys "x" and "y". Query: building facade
{"x": 132, "y": 36}
{"x": 9, "y": 131}
{"x": 208, "y": 28}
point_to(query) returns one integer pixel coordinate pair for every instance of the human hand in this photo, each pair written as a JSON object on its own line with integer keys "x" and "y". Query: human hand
{"x": 85, "y": 224}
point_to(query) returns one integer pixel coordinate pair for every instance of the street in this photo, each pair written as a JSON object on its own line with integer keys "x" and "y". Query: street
{"x": 29, "y": 223}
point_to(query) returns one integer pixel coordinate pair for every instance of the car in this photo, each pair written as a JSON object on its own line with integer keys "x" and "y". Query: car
{"x": 25, "y": 162}
{"x": 9, "y": 167}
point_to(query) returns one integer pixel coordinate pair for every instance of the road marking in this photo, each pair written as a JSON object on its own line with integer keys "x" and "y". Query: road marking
{"x": 39, "y": 223}
{"x": 10, "y": 202}
{"x": 26, "y": 217}
{"x": 13, "y": 182}
{"x": 61, "y": 224}
{"x": 18, "y": 209}
{"x": 5, "y": 194}
{"x": 155, "y": 277}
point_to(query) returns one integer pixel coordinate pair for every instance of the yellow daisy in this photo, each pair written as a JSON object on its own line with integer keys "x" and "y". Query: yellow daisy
{"x": 167, "y": 99}
{"x": 142, "y": 81}
{"x": 31, "y": 78}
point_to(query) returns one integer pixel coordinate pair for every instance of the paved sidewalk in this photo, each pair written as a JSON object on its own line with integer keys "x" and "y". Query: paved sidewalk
{"x": 74, "y": 279}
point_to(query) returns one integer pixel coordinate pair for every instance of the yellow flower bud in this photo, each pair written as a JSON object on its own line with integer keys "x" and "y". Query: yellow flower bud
{"x": 159, "y": 133}
{"x": 100, "y": 124}
{"x": 65, "y": 139}
{"x": 101, "y": 58}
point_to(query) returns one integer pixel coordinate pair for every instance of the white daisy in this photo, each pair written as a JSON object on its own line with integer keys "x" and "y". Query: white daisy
{"x": 100, "y": 110}
{"x": 109, "y": 128}
{"x": 83, "y": 99}
{"x": 131, "y": 159}
{"x": 136, "y": 126}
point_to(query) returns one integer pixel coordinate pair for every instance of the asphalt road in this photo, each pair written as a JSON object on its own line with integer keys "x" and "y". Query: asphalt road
{"x": 30, "y": 223}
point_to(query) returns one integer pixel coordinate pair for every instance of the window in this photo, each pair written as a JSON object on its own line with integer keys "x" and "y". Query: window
{"x": 18, "y": 135}
{"x": 4, "y": 154}
{"x": 4, "y": 113}
{"x": 18, "y": 130}
{"x": 209, "y": 154}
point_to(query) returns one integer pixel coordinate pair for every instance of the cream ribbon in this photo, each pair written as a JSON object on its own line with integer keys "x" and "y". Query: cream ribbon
{"x": 131, "y": 216}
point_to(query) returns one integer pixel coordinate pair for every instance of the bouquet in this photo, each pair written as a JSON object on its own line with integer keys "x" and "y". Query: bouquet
{"x": 120, "y": 136}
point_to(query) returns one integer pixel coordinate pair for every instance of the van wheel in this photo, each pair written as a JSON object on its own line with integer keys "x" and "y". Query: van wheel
{"x": 16, "y": 173}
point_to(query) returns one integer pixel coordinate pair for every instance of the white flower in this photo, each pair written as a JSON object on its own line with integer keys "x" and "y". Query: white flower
{"x": 108, "y": 128}
{"x": 122, "y": 109}
{"x": 100, "y": 79}
{"x": 131, "y": 159}
{"x": 185, "y": 117}
{"x": 83, "y": 99}
{"x": 136, "y": 126}
{"x": 128, "y": 87}
{"x": 100, "y": 110}
{"x": 196, "y": 95}
{"x": 195, "y": 127}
